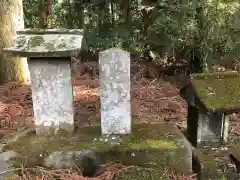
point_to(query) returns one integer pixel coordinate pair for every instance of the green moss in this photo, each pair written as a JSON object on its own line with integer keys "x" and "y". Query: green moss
{"x": 154, "y": 144}
{"x": 218, "y": 90}
{"x": 35, "y": 41}
{"x": 140, "y": 139}
{"x": 151, "y": 173}
{"x": 158, "y": 143}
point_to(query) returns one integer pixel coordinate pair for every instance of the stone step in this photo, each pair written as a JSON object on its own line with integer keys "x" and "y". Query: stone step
{"x": 235, "y": 156}
{"x": 214, "y": 163}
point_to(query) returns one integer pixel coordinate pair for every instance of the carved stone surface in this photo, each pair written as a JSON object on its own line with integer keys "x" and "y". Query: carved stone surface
{"x": 115, "y": 91}
{"x": 52, "y": 94}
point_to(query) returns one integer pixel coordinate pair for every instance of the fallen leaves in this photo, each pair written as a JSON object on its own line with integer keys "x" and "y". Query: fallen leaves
{"x": 108, "y": 171}
{"x": 152, "y": 100}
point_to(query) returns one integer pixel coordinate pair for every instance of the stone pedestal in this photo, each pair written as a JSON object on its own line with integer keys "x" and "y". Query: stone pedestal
{"x": 205, "y": 129}
{"x": 49, "y": 52}
{"x": 52, "y": 94}
{"x": 154, "y": 146}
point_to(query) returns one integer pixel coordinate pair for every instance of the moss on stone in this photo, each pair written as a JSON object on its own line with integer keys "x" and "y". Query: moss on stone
{"x": 35, "y": 41}
{"x": 218, "y": 90}
{"x": 47, "y": 43}
{"x": 158, "y": 143}
{"x": 149, "y": 173}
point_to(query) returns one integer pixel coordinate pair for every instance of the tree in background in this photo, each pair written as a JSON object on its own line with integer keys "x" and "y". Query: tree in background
{"x": 206, "y": 29}
{"x": 11, "y": 20}
{"x": 45, "y": 14}
{"x": 49, "y": 14}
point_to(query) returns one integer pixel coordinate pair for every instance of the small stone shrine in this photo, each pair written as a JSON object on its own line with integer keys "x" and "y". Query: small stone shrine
{"x": 211, "y": 98}
{"x": 49, "y": 55}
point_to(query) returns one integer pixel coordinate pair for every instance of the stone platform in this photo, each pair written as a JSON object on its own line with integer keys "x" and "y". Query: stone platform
{"x": 159, "y": 146}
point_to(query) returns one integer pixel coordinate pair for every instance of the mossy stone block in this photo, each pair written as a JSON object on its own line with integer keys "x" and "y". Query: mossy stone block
{"x": 218, "y": 90}
{"x": 160, "y": 145}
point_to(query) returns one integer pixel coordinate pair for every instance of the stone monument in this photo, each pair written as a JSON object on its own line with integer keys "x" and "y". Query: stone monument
{"x": 49, "y": 52}
{"x": 115, "y": 91}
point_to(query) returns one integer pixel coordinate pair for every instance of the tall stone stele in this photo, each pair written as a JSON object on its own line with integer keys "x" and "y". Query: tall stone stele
{"x": 49, "y": 55}
{"x": 115, "y": 91}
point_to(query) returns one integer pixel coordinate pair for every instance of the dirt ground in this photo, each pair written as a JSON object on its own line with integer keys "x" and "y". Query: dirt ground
{"x": 152, "y": 100}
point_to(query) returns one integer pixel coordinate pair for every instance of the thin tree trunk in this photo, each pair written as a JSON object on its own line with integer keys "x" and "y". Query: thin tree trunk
{"x": 196, "y": 62}
{"x": 126, "y": 13}
{"x": 49, "y": 14}
{"x": 11, "y": 20}
{"x": 42, "y": 14}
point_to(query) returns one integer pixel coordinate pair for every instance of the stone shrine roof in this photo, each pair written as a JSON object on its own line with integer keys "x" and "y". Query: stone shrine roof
{"x": 47, "y": 42}
{"x": 218, "y": 91}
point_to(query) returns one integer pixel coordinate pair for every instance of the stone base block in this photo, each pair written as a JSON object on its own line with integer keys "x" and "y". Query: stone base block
{"x": 157, "y": 146}
{"x": 52, "y": 94}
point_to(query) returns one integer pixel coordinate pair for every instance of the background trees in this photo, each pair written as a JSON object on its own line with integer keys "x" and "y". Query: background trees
{"x": 204, "y": 31}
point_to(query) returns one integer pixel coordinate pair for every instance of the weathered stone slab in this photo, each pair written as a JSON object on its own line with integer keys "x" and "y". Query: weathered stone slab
{"x": 52, "y": 94}
{"x": 115, "y": 91}
{"x": 47, "y": 43}
{"x": 159, "y": 146}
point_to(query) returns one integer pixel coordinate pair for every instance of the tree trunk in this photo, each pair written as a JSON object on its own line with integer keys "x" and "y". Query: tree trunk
{"x": 79, "y": 15}
{"x": 11, "y": 20}
{"x": 42, "y": 15}
{"x": 49, "y": 14}
{"x": 196, "y": 61}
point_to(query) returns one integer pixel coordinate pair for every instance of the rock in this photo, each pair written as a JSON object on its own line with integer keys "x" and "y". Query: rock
{"x": 7, "y": 155}
{"x": 5, "y": 165}
{"x": 88, "y": 161}
{"x": 59, "y": 160}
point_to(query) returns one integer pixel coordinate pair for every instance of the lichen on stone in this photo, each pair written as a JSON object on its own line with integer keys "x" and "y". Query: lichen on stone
{"x": 20, "y": 42}
{"x": 49, "y": 46}
{"x": 52, "y": 42}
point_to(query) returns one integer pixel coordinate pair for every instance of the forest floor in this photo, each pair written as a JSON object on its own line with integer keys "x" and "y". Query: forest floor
{"x": 151, "y": 99}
